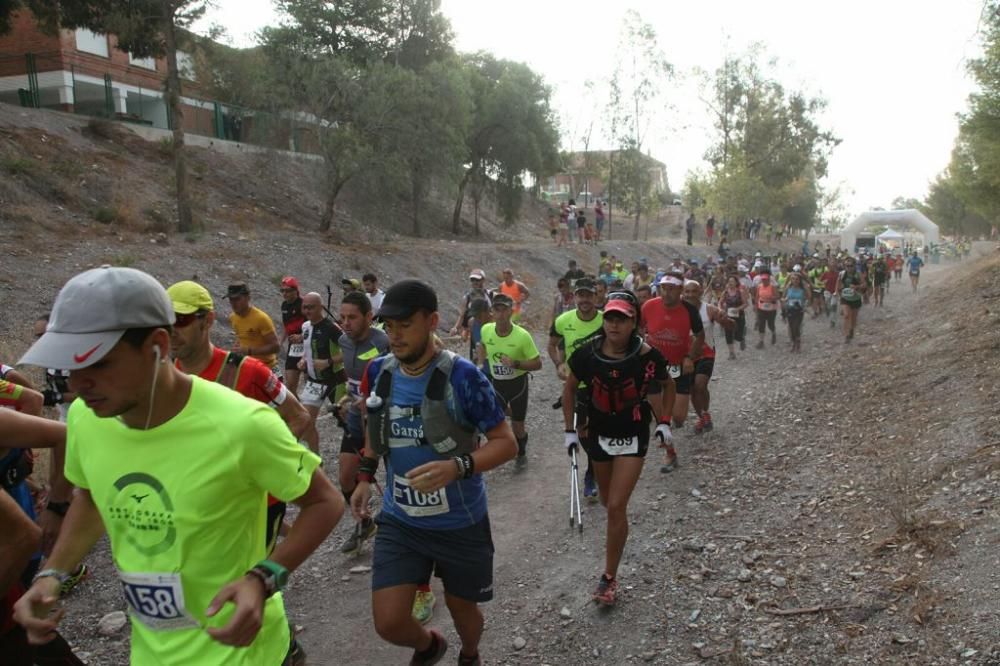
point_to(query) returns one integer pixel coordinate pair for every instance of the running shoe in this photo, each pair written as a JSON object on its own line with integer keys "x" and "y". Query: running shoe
{"x": 73, "y": 580}
{"x": 699, "y": 426}
{"x": 440, "y": 646}
{"x": 607, "y": 591}
{"x": 423, "y": 606}
{"x": 671, "y": 463}
{"x": 362, "y": 532}
{"x": 469, "y": 661}
{"x": 589, "y": 487}
{"x": 706, "y": 419}
{"x": 296, "y": 655}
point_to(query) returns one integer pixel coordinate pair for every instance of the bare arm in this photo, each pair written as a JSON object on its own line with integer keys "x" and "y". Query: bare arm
{"x": 321, "y": 508}
{"x": 21, "y": 540}
{"x": 270, "y": 346}
{"x": 19, "y": 378}
{"x": 30, "y": 431}
{"x": 530, "y": 365}
{"x": 294, "y": 415}
{"x": 569, "y": 400}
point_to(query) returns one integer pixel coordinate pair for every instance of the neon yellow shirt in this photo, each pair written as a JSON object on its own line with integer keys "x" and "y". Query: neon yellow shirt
{"x": 574, "y": 331}
{"x": 184, "y": 507}
{"x": 518, "y": 345}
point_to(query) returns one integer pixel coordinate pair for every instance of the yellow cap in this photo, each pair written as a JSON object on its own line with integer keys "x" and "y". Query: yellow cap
{"x": 189, "y": 297}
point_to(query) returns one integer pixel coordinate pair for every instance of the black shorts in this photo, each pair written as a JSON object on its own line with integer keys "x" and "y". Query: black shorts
{"x": 292, "y": 362}
{"x": 462, "y": 558}
{"x": 685, "y": 382}
{"x": 852, "y": 304}
{"x": 704, "y": 366}
{"x": 513, "y": 394}
{"x": 597, "y": 454}
{"x": 275, "y": 516}
{"x": 351, "y": 443}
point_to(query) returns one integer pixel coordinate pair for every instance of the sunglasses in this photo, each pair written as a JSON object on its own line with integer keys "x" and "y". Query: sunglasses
{"x": 184, "y": 320}
{"x": 624, "y": 296}
{"x": 288, "y": 289}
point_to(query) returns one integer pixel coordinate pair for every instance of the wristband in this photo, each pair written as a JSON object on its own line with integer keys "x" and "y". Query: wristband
{"x": 664, "y": 421}
{"x": 368, "y": 466}
{"x": 60, "y": 576}
{"x": 470, "y": 465}
{"x": 58, "y": 508}
{"x": 364, "y": 476}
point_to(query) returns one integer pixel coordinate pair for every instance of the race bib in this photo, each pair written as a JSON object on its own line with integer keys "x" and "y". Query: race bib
{"x": 500, "y": 371}
{"x": 732, "y": 313}
{"x": 156, "y": 600}
{"x": 794, "y": 303}
{"x": 296, "y": 351}
{"x": 313, "y": 390}
{"x": 415, "y": 503}
{"x": 847, "y": 292}
{"x": 619, "y": 446}
{"x": 675, "y": 371}
{"x": 766, "y": 307}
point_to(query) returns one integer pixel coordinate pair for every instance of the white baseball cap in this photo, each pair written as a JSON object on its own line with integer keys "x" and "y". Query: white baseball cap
{"x": 92, "y": 312}
{"x": 477, "y": 274}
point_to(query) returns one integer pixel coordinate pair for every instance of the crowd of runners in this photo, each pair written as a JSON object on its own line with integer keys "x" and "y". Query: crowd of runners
{"x": 186, "y": 454}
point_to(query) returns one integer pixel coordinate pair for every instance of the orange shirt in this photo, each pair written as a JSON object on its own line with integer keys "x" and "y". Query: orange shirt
{"x": 514, "y": 291}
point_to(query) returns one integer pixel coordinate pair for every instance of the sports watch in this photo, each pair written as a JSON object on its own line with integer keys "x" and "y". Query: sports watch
{"x": 271, "y": 574}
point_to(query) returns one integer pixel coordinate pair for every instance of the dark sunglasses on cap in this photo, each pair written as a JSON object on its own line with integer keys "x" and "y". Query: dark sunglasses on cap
{"x": 624, "y": 296}
{"x": 183, "y": 320}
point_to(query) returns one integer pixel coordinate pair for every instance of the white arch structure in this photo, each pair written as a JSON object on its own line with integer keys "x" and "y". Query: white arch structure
{"x": 908, "y": 217}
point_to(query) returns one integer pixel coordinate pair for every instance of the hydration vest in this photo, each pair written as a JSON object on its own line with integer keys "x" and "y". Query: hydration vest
{"x": 444, "y": 424}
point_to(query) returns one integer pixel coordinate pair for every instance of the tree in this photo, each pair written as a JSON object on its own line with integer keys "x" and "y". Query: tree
{"x": 636, "y": 90}
{"x": 144, "y": 28}
{"x": 512, "y": 132}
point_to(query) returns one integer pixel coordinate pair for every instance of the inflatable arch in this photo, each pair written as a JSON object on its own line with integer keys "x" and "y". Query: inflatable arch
{"x": 909, "y": 218}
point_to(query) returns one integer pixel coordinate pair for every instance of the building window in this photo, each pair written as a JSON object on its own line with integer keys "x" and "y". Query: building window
{"x": 91, "y": 42}
{"x": 185, "y": 65}
{"x": 145, "y": 63}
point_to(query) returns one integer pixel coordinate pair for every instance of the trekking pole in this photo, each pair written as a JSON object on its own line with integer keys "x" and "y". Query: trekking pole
{"x": 576, "y": 495}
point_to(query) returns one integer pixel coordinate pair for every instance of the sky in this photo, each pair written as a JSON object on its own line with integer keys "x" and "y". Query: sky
{"x": 893, "y": 72}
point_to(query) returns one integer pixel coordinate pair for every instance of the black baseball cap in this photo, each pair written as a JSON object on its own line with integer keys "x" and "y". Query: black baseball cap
{"x": 238, "y": 289}
{"x": 585, "y": 284}
{"x": 407, "y": 297}
{"x": 504, "y": 300}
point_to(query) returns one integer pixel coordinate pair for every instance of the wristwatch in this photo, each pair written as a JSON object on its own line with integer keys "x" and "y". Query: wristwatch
{"x": 271, "y": 574}
{"x": 58, "y": 508}
{"x": 60, "y": 576}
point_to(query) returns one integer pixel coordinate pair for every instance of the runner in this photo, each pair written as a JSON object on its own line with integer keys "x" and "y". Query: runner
{"x": 375, "y": 295}
{"x": 291, "y": 332}
{"x": 477, "y": 289}
{"x": 735, "y": 300}
{"x": 830, "y": 277}
{"x": 255, "y": 332}
{"x": 880, "y": 276}
{"x": 705, "y": 364}
{"x": 56, "y": 393}
{"x": 564, "y": 300}
{"x": 194, "y": 354}
{"x": 897, "y": 268}
{"x": 815, "y": 275}
{"x": 569, "y": 331}
{"x": 617, "y": 370}
{"x": 794, "y": 300}
{"x": 674, "y": 328}
{"x": 359, "y": 343}
{"x": 515, "y": 291}
{"x": 510, "y": 353}
{"x": 209, "y": 457}
{"x": 426, "y": 411}
{"x": 24, "y": 540}
{"x": 914, "y": 264}
{"x": 848, "y": 284}
{"x": 322, "y": 361}
{"x": 766, "y": 299}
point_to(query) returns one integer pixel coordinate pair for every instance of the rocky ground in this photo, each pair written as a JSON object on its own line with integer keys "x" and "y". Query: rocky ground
{"x": 843, "y": 511}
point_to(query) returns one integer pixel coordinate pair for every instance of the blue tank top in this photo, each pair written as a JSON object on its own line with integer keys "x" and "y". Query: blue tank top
{"x": 796, "y": 296}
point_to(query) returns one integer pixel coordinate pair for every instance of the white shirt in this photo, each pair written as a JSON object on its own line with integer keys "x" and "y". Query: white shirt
{"x": 376, "y": 299}
{"x": 307, "y": 352}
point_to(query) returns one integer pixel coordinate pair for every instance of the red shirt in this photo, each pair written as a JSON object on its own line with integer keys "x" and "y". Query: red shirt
{"x": 669, "y": 329}
{"x": 830, "y": 281}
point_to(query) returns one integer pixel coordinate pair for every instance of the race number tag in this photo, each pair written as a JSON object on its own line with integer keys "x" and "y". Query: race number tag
{"x": 732, "y": 313}
{"x": 501, "y": 370}
{"x": 415, "y": 503}
{"x": 156, "y": 600}
{"x": 313, "y": 391}
{"x": 675, "y": 371}
{"x": 766, "y": 307}
{"x": 847, "y": 292}
{"x": 296, "y": 351}
{"x": 619, "y": 446}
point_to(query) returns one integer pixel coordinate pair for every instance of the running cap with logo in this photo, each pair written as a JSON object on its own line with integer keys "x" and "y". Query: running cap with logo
{"x": 238, "y": 289}
{"x": 189, "y": 297}
{"x": 477, "y": 274}
{"x": 405, "y": 298}
{"x": 672, "y": 279}
{"x": 503, "y": 300}
{"x": 620, "y": 305}
{"x": 585, "y": 284}
{"x": 92, "y": 312}
{"x": 351, "y": 283}
{"x": 290, "y": 283}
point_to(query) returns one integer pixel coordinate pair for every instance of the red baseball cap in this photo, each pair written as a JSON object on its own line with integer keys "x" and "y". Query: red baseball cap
{"x": 620, "y": 305}
{"x": 289, "y": 281}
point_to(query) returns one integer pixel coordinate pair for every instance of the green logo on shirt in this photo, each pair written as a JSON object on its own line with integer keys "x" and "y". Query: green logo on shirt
{"x": 146, "y": 510}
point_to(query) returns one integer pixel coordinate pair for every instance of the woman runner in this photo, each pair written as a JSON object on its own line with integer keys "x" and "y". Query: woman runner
{"x": 795, "y": 305}
{"x": 848, "y": 285}
{"x": 618, "y": 369}
{"x": 734, "y": 301}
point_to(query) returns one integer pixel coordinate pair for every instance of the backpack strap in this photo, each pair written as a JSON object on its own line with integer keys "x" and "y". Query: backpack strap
{"x": 229, "y": 375}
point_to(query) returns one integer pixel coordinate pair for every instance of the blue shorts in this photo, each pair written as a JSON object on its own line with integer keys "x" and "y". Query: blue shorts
{"x": 462, "y": 558}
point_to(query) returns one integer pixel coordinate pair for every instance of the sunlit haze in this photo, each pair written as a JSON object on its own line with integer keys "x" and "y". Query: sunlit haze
{"x": 893, "y": 72}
